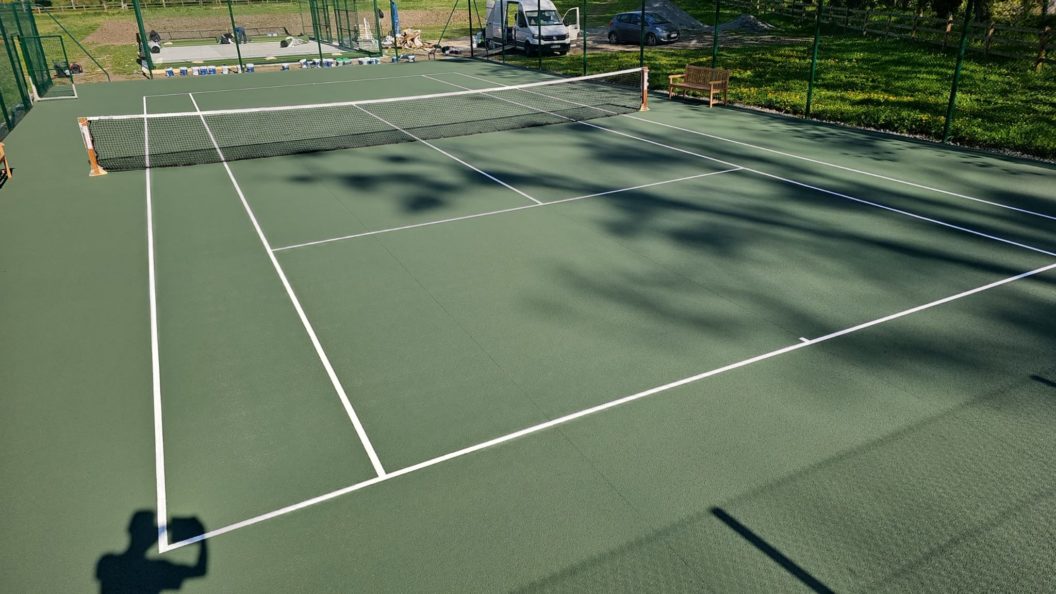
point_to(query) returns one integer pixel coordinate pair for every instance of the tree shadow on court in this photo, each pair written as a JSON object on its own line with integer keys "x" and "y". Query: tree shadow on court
{"x": 134, "y": 570}
{"x": 728, "y": 223}
{"x": 1044, "y": 381}
{"x": 942, "y": 503}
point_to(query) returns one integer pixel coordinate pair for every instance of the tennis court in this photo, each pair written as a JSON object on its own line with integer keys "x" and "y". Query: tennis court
{"x": 682, "y": 349}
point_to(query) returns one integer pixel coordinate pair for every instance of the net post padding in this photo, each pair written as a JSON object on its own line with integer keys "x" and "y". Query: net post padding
{"x": 93, "y": 160}
{"x": 645, "y": 88}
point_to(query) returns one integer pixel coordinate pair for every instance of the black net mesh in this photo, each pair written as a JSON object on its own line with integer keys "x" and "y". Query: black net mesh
{"x": 166, "y": 140}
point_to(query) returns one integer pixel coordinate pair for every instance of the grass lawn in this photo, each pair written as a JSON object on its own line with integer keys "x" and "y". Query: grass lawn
{"x": 875, "y": 83}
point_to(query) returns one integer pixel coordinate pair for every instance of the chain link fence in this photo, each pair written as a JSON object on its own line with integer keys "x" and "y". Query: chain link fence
{"x": 889, "y": 70}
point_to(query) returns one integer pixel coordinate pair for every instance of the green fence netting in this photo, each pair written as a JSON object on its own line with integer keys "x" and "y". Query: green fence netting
{"x": 15, "y": 97}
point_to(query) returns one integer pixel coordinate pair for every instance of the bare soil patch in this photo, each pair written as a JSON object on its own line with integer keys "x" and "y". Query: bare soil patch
{"x": 118, "y": 31}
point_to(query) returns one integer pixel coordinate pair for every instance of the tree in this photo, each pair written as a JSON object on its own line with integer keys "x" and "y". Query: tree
{"x": 945, "y": 7}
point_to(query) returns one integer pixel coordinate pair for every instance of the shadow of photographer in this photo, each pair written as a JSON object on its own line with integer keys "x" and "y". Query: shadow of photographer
{"x": 133, "y": 571}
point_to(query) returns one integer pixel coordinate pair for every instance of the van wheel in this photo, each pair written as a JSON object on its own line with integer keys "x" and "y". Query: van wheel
{"x": 612, "y": 37}
{"x": 650, "y": 39}
{"x": 528, "y": 49}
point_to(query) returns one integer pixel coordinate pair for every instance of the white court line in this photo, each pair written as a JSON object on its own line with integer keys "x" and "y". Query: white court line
{"x": 162, "y": 510}
{"x": 360, "y": 431}
{"x": 849, "y": 169}
{"x": 501, "y": 211}
{"x": 819, "y": 162}
{"x": 449, "y": 155}
{"x": 793, "y": 182}
{"x": 307, "y": 84}
{"x": 599, "y": 408}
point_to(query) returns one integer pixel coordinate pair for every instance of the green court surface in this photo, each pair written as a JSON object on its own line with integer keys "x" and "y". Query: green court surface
{"x": 686, "y": 349}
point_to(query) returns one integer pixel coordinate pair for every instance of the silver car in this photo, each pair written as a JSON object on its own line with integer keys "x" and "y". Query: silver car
{"x": 626, "y": 27}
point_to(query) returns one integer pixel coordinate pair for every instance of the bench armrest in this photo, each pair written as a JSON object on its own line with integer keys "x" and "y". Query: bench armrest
{"x": 675, "y": 77}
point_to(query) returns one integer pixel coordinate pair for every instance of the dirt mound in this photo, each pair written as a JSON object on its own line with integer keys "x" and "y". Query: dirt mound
{"x": 746, "y": 23}
{"x": 123, "y": 30}
{"x": 115, "y": 31}
{"x": 673, "y": 13}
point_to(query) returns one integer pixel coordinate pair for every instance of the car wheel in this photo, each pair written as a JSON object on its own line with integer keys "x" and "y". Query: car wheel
{"x": 650, "y": 39}
{"x": 612, "y": 37}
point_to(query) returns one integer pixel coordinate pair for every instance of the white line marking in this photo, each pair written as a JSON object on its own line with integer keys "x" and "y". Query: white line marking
{"x": 804, "y": 339}
{"x": 501, "y": 211}
{"x": 162, "y": 511}
{"x": 599, "y": 408}
{"x": 817, "y": 162}
{"x": 308, "y": 84}
{"x": 449, "y": 155}
{"x": 903, "y": 212}
{"x": 800, "y": 184}
{"x": 378, "y": 468}
{"x": 849, "y": 169}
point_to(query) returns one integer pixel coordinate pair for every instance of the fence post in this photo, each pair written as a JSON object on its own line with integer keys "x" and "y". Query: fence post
{"x": 539, "y": 33}
{"x": 865, "y": 20}
{"x": 7, "y": 116}
{"x": 144, "y": 47}
{"x": 641, "y": 36}
{"x": 377, "y": 26}
{"x": 715, "y": 36}
{"x": 234, "y": 31}
{"x": 991, "y": 27}
{"x": 16, "y": 66}
{"x": 916, "y": 23}
{"x": 957, "y": 71}
{"x": 583, "y": 31}
{"x": 1043, "y": 41}
{"x": 472, "y": 42}
{"x": 814, "y": 55}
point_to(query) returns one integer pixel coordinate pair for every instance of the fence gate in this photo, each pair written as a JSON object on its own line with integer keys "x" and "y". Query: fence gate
{"x": 49, "y": 67}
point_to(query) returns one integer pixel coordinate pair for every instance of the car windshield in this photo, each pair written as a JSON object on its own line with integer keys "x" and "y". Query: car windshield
{"x": 657, "y": 19}
{"x": 550, "y": 17}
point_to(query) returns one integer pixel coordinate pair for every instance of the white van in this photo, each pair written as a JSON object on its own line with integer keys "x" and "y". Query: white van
{"x": 531, "y": 26}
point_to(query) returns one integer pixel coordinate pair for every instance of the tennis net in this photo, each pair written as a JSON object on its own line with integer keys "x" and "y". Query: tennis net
{"x": 143, "y": 141}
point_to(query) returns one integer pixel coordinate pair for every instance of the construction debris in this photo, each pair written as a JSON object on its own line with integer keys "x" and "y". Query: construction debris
{"x": 411, "y": 39}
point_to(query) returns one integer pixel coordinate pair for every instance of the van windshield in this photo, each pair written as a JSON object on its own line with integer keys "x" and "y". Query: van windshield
{"x": 549, "y": 17}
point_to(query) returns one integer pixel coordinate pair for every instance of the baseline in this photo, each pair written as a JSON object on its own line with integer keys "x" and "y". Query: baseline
{"x": 802, "y": 343}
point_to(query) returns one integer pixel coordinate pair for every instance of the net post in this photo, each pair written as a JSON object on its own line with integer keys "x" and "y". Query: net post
{"x": 645, "y": 89}
{"x": 86, "y": 136}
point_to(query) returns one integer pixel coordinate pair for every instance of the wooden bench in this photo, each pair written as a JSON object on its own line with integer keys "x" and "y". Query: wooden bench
{"x": 713, "y": 81}
{"x": 5, "y": 168}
